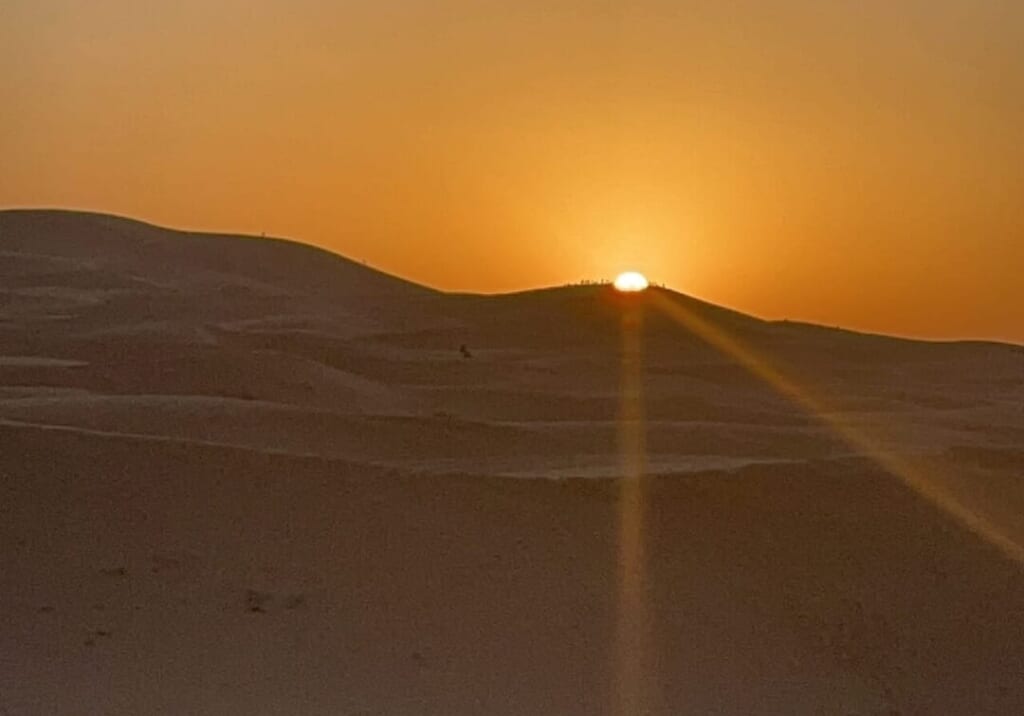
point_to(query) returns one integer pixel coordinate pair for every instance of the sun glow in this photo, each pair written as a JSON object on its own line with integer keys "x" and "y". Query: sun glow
{"x": 631, "y": 282}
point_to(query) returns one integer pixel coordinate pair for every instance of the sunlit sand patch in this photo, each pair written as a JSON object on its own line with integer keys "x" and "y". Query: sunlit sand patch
{"x": 38, "y": 362}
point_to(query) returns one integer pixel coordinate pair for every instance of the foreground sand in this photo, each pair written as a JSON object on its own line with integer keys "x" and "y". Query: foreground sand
{"x": 296, "y": 497}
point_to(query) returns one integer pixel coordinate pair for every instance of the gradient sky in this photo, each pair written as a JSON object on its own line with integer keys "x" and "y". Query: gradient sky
{"x": 849, "y": 163}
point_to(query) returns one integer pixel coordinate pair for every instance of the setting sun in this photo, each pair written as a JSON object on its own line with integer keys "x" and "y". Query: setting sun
{"x": 631, "y": 282}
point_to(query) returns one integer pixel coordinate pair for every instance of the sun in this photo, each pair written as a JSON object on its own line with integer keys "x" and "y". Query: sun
{"x": 631, "y": 282}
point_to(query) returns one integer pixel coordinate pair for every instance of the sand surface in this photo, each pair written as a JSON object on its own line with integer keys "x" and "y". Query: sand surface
{"x": 245, "y": 476}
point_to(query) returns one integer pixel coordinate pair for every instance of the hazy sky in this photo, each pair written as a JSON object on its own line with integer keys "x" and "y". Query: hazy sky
{"x": 855, "y": 163}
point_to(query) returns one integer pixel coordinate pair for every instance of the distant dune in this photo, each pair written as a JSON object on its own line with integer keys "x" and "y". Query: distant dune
{"x": 248, "y": 476}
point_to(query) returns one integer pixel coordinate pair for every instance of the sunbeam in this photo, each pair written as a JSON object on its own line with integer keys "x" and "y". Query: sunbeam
{"x": 632, "y": 654}
{"x": 864, "y": 443}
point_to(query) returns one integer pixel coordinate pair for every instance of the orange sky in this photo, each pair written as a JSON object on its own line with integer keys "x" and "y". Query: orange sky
{"x": 851, "y": 163}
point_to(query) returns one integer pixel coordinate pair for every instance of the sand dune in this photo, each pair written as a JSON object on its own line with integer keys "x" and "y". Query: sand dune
{"x": 246, "y": 476}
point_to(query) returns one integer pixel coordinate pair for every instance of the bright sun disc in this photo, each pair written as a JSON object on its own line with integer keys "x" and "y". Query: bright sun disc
{"x": 631, "y": 282}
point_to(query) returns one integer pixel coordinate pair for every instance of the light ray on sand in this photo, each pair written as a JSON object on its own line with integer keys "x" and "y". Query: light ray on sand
{"x": 864, "y": 443}
{"x": 631, "y": 630}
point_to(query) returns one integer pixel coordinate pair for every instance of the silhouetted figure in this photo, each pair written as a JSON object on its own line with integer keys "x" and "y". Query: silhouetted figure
{"x": 465, "y": 351}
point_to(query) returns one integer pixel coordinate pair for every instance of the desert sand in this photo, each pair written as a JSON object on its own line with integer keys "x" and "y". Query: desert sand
{"x": 247, "y": 476}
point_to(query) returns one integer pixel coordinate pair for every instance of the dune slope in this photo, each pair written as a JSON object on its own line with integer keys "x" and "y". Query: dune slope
{"x": 245, "y": 476}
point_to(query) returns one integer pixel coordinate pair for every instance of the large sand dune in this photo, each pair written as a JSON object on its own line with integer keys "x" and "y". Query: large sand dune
{"x": 246, "y": 476}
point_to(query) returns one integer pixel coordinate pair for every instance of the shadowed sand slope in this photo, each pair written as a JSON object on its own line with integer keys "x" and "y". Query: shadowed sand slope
{"x": 245, "y": 476}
